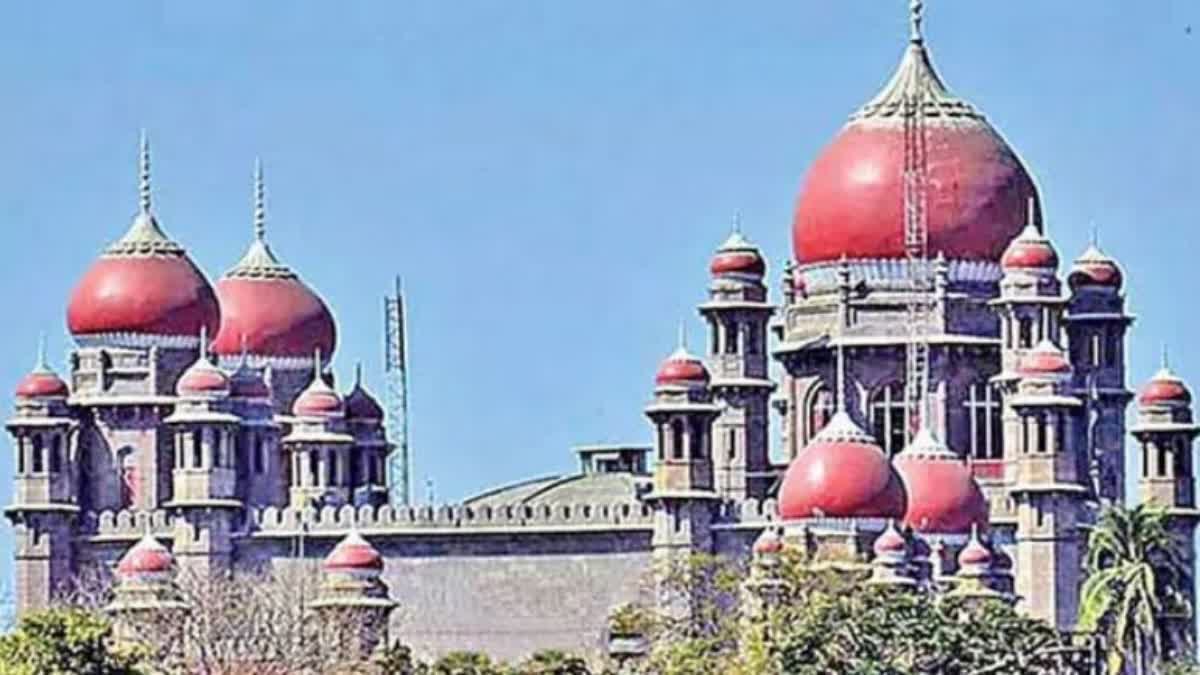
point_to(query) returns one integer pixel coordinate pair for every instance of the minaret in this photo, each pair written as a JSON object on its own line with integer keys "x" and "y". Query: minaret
{"x": 1165, "y": 429}
{"x": 683, "y": 498}
{"x": 737, "y": 312}
{"x": 1030, "y": 305}
{"x": 263, "y": 479}
{"x": 319, "y": 446}
{"x": 1050, "y": 488}
{"x": 46, "y": 484}
{"x": 146, "y": 597}
{"x": 364, "y": 421}
{"x": 1096, "y": 325}
{"x": 764, "y": 587}
{"x": 204, "y": 477}
{"x": 891, "y": 567}
{"x": 978, "y": 580}
{"x": 353, "y": 600}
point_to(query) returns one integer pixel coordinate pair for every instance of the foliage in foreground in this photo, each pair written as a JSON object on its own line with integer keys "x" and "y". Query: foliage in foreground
{"x": 64, "y": 642}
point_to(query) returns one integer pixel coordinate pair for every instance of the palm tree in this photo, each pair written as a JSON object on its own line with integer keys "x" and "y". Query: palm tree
{"x": 1135, "y": 576}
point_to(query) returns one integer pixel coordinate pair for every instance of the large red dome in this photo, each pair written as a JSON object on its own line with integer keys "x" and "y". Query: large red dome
{"x": 266, "y": 310}
{"x": 943, "y": 496}
{"x": 852, "y": 200}
{"x": 143, "y": 286}
{"x": 842, "y": 473}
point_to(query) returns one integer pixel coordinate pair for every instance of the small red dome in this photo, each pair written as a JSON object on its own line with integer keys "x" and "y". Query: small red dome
{"x": 890, "y": 542}
{"x": 318, "y": 399}
{"x": 1094, "y": 268}
{"x": 737, "y": 256}
{"x": 943, "y": 496}
{"x": 42, "y": 384}
{"x": 143, "y": 285}
{"x": 842, "y": 473}
{"x": 682, "y": 369}
{"x": 1165, "y": 388}
{"x": 1046, "y": 359}
{"x": 353, "y": 554}
{"x": 852, "y": 200}
{"x": 145, "y": 558}
{"x": 975, "y": 553}
{"x": 203, "y": 379}
{"x": 768, "y": 543}
{"x": 1030, "y": 251}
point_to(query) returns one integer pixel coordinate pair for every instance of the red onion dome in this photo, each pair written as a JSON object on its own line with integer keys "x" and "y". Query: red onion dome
{"x": 1164, "y": 389}
{"x": 943, "y": 496}
{"x": 143, "y": 290}
{"x": 1095, "y": 269}
{"x": 42, "y": 381}
{"x": 768, "y": 543}
{"x": 975, "y": 553}
{"x": 1044, "y": 360}
{"x": 203, "y": 378}
{"x": 737, "y": 257}
{"x": 1030, "y": 251}
{"x": 360, "y": 404}
{"x": 681, "y": 369}
{"x": 318, "y": 399}
{"x": 852, "y": 200}
{"x": 841, "y": 473}
{"x": 265, "y": 307}
{"x": 891, "y": 542}
{"x": 147, "y": 558}
{"x": 353, "y": 554}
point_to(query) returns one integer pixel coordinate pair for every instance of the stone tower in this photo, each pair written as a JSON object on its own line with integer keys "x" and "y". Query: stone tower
{"x": 319, "y": 447}
{"x": 44, "y": 504}
{"x": 1050, "y": 486}
{"x": 737, "y": 313}
{"x": 683, "y": 497}
{"x": 353, "y": 600}
{"x": 1096, "y": 324}
{"x": 1165, "y": 430}
{"x": 146, "y": 597}
{"x": 368, "y": 459}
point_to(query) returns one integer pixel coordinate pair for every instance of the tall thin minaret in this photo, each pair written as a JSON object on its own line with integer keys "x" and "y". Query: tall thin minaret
{"x": 737, "y": 313}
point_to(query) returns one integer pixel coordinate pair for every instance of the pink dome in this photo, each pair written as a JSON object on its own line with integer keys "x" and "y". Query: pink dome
{"x": 1045, "y": 359}
{"x": 943, "y": 496}
{"x": 842, "y": 473}
{"x": 682, "y": 369}
{"x": 147, "y": 557}
{"x": 203, "y": 379}
{"x": 1095, "y": 269}
{"x": 975, "y": 553}
{"x": 42, "y": 384}
{"x": 890, "y": 542}
{"x": 852, "y": 200}
{"x": 318, "y": 399}
{"x": 266, "y": 309}
{"x": 738, "y": 257}
{"x": 1164, "y": 389}
{"x": 1031, "y": 250}
{"x": 353, "y": 554}
{"x": 143, "y": 286}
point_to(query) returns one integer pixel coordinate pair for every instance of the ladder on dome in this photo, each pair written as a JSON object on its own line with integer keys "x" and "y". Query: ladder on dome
{"x": 395, "y": 376}
{"x": 916, "y": 247}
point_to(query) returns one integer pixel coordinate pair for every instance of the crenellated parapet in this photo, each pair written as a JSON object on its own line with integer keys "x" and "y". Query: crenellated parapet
{"x": 126, "y": 524}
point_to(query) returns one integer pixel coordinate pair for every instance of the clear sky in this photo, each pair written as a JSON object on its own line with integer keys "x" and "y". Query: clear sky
{"x": 551, "y": 177}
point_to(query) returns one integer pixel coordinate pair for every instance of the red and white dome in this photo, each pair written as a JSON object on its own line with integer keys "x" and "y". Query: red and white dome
{"x": 738, "y": 258}
{"x": 267, "y": 310}
{"x": 891, "y": 542}
{"x": 203, "y": 378}
{"x": 943, "y": 497}
{"x": 147, "y": 558}
{"x": 1031, "y": 251}
{"x": 852, "y": 200}
{"x": 841, "y": 473}
{"x": 975, "y": 554}
{"x": 143, "y": 290}
{"x": 1045, "y": 360}
{"x": 1094, "y": 269}
{"x": 354, "y": 555}
{"x": 682, "y": 369}
{"x": 42, "y": 382}
{"x": 319, "y": 400}
{"x": 1165, "y": 389}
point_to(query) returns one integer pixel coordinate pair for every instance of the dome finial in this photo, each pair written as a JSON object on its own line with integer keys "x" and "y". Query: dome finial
{"x": 1094, "y": 239}
{"x": 357, "y": 374}
{"x": 41, "y": 366}
{"x": 839, "y": 401}
{"x": 1166, "y": 365}
{"x": 144, "y": 173}
{"x": 260, "y": 210}
{"x": 682, "y": 335}
{"x": 737, "y": 222}
{"x": 317, "y": 365}
{"x": 1031, "y": 214}
{"x": 916, "y": 16}
{"x": 203, "y": 342}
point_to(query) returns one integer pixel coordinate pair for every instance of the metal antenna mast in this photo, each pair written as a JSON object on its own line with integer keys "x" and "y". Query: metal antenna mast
{"x": 395, "y": 374}
{"x": 916, "y": 235}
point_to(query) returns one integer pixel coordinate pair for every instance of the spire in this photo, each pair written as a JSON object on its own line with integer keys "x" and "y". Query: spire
{"x": 736, "y": 240}
{"x": 737, "y": 222}
{"x": 916, "y": 16}
{"x": 317, "y": 366}
{"x": 42, "y": 366}
{"x": 682, "y": 335}
{"x": 259, "y": 261}
{"x": 839, "y": 400}
{"x": 144, "y": 173}
{"x": 358, "y": 375}
{"x": 1030, "y": 216}
{"x": 203, "y": 344}
{"x": 1166, "y": 365}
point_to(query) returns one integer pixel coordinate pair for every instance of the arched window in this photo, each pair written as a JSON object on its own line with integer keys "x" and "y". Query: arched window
{"x": 38, "y": 454}
{"x": 983, "y": 413}
{"x": 677, "y": 439}
{"x": 818, "y": 411}
{"x": 731, "y": 337}
{"x": 1024, "y": 332}
{"x": 890, "y": 417}
{"x": 197, "y": 449}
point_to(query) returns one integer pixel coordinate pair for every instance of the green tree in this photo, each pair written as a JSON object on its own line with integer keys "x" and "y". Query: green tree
{"x": 64, "y": 642}
{"x": 1135, "y": 576}
{"x": 553, "y": 662}
{"x": 468, "y": 663}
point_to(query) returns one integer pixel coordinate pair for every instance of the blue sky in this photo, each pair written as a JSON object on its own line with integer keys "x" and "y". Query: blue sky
{"x": 551, "y": 177}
